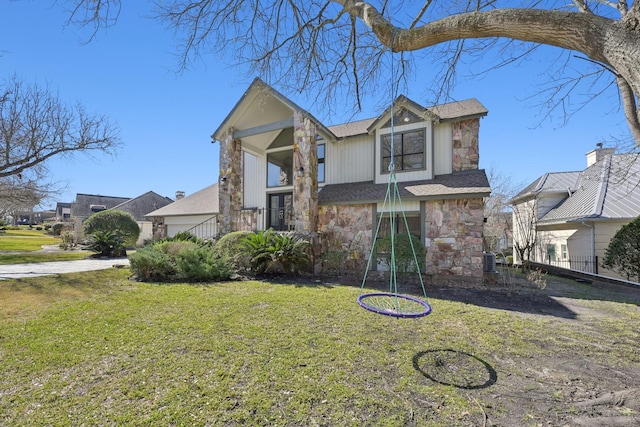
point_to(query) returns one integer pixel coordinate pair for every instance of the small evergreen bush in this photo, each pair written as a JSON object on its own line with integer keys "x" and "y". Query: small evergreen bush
{"x": 110, "y": 232}
{"x": 179, "y": 261}
{"x": 232, "y": 246}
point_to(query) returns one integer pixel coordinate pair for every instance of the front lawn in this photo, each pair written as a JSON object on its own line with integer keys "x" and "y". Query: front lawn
{"x": 98, "y": 349}
{"x": 25, "y": 239}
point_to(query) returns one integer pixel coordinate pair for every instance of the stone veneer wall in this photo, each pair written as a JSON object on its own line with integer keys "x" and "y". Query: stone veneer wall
{"x": 230, "y": 194}
{"x": 453, "y": 231}
{"x": 305, "y": 189}
{"x": 465, "y": 149}
{"x": 346, "y": 227}
{"x": 247, "y": 221}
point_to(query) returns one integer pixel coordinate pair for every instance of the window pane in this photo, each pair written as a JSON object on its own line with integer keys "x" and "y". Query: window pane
{"x": 409, "y": 149}
{"x": 280, "y": 168}
{"x": 321, "y": 163}
{"x": 413, "y": 142}
{"x": 413, "y": 161}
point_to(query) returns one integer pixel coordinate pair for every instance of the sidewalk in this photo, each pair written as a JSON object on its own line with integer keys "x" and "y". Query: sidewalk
{"x": 16, "y": 271}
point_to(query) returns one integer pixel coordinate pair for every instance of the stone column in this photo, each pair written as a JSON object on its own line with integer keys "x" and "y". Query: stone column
{"x": 305, "y": 163}
{"x": 230, "y": 185}
{"x": 465, "y": 144}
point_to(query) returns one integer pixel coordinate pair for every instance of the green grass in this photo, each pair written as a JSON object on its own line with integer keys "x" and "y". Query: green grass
{"x": 24, "y": 258}
{"x": 98, "y": 349}
{"x": 26, "y": 240}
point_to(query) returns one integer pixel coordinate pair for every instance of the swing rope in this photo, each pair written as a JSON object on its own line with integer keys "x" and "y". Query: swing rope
{"x": 393, "y": 303}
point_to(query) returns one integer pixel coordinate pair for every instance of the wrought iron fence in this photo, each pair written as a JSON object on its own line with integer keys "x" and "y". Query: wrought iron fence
{"x": 586, "y": 264}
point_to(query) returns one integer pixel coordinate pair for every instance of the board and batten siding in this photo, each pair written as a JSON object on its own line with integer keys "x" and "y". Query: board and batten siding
{"x": 349, "y": 160}
{"x": 442, "y": 149}
{"x": 255, "y": 178}
{"x": 176, "y": 224}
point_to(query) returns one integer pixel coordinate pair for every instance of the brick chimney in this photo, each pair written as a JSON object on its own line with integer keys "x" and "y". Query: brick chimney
{"x": 179, "y": 195}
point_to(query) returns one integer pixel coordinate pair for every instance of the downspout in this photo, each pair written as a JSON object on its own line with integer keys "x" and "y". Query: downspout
{"x": 592, "y": 245}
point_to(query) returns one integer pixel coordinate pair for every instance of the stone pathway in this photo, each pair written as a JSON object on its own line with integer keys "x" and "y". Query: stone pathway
{"x": 15, "y": 271}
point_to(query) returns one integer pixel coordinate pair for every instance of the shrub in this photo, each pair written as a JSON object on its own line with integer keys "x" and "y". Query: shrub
{"x": 56, "y": 229}
{"x": 403, "y": 252}
{"x": 201, "y": 264}
{"x": 107, "y": 243}
{"x": 111, "y": 231}
{"x": 173, "y": 261}
{"x": 623, "y": 252}
{"x": 275, "y": 253}
{"x": 150, "y": 264}
{"x": 68, "y": 241}
{"x": 232, "y": 247}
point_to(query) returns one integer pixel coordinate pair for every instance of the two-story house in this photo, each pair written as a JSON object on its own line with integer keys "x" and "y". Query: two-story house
{"x": 567, "y": 219}
{"x": 281, "y": 168}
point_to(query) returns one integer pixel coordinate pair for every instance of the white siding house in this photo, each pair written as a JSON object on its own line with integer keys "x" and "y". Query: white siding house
{"x": 574, "y": 215}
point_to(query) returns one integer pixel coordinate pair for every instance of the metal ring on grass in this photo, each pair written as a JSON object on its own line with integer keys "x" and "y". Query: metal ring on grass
{"x": 394, "y": 305}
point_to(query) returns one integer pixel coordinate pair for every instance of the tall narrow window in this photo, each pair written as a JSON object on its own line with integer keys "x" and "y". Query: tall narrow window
{"x": 320, "y": 162}
{"x": 408, "y": 153}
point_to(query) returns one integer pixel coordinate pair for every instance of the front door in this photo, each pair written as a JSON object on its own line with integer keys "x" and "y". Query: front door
{"x": 280, "y": 211}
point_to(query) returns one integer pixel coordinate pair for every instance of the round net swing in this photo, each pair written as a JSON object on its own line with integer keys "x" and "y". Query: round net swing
{"x": 393, "y": 303}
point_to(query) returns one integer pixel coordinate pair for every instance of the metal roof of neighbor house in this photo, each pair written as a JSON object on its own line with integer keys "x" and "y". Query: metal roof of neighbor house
{"x": 139, "y": 206}
{"x": 202, "y": 202}
{"x": 552, "y": 182}
{"x": 471, "y": 183}
{"x": 608, "y": 189}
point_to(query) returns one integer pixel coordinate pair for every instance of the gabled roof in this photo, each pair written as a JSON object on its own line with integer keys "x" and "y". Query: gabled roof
{"x": 608, "y": 189}
{"x": 553, "y": 182}
{"x": 202, "y": 202}
{"x": 83, "y": 203}
{"x": 258, "y": 85}
{"x": 139, "y": 206}
{"x": 469, "y": 183}
{"x": 438, "y": 113}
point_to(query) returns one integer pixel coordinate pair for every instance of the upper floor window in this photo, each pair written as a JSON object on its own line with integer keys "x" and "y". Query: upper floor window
{"x": 320, "y": 162}
{"x": 280, "y": 168}
{"x": 409, "y": 150}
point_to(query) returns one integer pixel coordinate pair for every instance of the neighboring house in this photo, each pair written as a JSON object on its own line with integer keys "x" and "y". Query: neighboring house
{"x": 572, "y": 216}
{"x": 63, "y": 211}
{"x": 138, "y": 207}
{"x": 86, "y": 205}
{"x": 283, "y": 169}
{"x": 196, "y": 213}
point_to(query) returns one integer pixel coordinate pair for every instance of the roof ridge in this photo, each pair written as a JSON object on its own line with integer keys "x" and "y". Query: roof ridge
{"x": 598, "y": 202}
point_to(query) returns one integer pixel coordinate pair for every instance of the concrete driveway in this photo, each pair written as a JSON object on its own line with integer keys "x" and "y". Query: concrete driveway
{"x": 15, "y": 271}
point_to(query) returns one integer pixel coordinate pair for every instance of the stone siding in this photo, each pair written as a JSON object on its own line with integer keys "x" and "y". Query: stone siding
{"x": 305, "y": 189}
{"x": 454, "y": 231}
{"x": 465, "y": 145}
{"x": 346, "y": 228}
{"x": 230, "y": 186}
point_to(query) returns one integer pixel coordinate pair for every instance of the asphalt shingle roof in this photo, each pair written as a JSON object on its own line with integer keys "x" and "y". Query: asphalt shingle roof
{"x": 471, "y": 183}
{"x": 139, "y": 206}
{"x": 202, "y": 202}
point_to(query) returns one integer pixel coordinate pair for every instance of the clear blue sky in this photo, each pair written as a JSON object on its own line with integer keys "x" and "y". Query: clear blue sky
{"x": 166, "y": 118}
